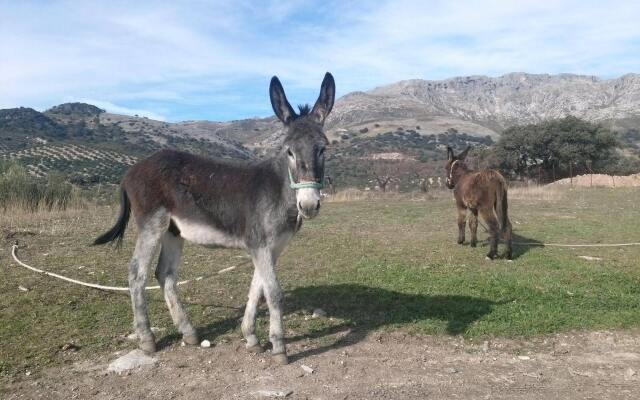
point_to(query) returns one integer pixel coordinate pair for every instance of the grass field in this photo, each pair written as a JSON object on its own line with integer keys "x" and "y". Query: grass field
{"x": 388, "y": 263}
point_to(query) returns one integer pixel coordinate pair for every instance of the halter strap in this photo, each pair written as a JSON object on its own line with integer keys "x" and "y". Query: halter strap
{"x": 451, "y": 169}
{"x": 304, "y": 185}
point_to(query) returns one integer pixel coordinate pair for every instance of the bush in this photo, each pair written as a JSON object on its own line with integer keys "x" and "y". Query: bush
{"x": 20, "y": 190}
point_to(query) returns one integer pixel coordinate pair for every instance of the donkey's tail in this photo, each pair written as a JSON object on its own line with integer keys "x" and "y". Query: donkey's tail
{"x": 502, "y": 207}
{"x": 117, "y": 232}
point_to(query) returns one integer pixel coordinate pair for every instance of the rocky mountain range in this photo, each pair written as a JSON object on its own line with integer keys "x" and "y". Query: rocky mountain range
{"x": 413, "y": 117}
{"x": 476, "y": 105}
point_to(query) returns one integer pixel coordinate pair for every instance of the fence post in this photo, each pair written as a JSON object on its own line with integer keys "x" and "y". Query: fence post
{"x": 571, "y": 173}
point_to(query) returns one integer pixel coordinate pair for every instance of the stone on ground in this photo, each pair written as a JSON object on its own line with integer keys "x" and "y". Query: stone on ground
{"x": 319, "y": 313}
{"x": 272, "y": 393}
{"x": 132, "y": 360}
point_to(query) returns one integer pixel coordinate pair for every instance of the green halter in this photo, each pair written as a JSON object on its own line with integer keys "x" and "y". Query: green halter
{"x": 304, "y": 185}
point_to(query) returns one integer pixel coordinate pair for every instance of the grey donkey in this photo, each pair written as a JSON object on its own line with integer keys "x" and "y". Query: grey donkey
{"x": 257, "y": 206}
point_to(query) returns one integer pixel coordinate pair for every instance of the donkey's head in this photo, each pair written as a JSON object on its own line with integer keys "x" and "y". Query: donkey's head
{"x": 455, "y": 166}
{"x": 305, "y": 142}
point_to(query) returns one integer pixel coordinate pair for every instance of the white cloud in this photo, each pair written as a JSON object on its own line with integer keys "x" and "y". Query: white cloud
{"x": 116, "y": 109}
{"x": 166, "y": 56}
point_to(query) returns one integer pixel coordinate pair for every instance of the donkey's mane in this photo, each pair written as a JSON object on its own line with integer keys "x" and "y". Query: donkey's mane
{"x": 305, "y": 109}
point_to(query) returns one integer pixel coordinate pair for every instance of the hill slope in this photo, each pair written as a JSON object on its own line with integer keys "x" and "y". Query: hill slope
{"x": 90, "y": 145}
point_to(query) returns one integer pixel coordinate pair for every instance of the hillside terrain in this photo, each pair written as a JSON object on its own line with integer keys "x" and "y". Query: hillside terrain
{"x": 409, "y": 121}
{"x": 92, "y": 146}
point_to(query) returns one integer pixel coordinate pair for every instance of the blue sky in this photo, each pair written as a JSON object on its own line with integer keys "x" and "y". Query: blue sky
{"x": 213, "y": 60}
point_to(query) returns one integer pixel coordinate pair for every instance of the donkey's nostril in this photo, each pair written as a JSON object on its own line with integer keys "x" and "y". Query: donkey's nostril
{"x": 318, "y": 205}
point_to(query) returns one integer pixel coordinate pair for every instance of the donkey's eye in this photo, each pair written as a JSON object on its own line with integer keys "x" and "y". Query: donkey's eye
{"x": 289, "y": 153}
{"x": 321, "y": 152}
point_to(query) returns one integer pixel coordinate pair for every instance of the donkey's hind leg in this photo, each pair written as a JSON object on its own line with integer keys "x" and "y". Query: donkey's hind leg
{"x": 462, "y": 223}
{"x": 507, "y": 237}
{"x": 166, "y": 273}
{"x": 494, "y": 228}
{"x": 149, "y": 234}
{"x": 473, "y": 227}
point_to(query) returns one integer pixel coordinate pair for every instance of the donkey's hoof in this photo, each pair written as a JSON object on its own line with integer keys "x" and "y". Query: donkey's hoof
{"x": 148, "y": 346}
{"x": 460, "y": 241}
{"x": 473, "y": 244}
{"x": 490, "y": 256}
{"x": 255, "y": 349}
{"x": 281, "y": 358}
{"x": 191, "y": 339}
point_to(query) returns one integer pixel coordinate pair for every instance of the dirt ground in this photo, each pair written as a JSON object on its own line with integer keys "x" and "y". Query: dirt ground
{"x": 594, "y": 365}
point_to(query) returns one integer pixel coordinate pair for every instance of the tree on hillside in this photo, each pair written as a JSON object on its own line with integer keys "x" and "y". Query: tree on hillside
{"x": 555, "y": 149}
{"x": 384, "y": 172}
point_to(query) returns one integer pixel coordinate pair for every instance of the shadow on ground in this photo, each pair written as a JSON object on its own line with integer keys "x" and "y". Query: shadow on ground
{"x": 520, "y": 245}
{"x": 365, "y": 309}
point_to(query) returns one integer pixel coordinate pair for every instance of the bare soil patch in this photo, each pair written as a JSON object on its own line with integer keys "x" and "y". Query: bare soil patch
{"x": 601, "y": 180}
{"x": 594, "y": 365}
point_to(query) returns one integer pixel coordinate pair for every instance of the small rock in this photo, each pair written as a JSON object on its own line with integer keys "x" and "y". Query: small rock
{"x": 451, "y": 370}
{"x": 319, "y": 313}
{"x": 524, "y": 358}
{"x": 27, "y": 373}
{"x": 272, "y": 393}
{"x": 307, "y": 369}
{"x": 23, "y": 289}
{"x": 134, "y": 359}
{"x": 590, "y": 258}
{"x": 629, "y": 373}
{"x": 485, "y": 346}
{"x": 205, "y": 343}
{"x": 69, "y": 347}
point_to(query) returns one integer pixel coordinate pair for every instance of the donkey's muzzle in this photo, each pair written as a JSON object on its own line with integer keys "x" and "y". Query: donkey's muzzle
{"x": 308, "y": 201}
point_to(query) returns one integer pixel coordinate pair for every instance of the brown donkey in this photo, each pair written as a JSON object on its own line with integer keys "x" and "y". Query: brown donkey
{"x": 483, "y": 192}
{"x": 258, "y": 206}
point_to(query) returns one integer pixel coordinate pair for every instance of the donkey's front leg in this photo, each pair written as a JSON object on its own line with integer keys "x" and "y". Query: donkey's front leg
{"x": 264, "y": 262}
{"x": 249, "y": 320}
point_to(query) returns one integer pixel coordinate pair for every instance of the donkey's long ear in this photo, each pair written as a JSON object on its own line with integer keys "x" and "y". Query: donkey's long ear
{"x": 279, "y": 102}
{"x": 464, "y": 154}
{"x": 324, "y": 104}
{"x": 450, "y": 156}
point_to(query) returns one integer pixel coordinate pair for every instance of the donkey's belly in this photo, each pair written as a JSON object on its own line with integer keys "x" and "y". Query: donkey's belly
{"x": 206, "y": 235}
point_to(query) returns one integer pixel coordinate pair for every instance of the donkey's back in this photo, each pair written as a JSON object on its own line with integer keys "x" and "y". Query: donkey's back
{"x": 480, "y": 188}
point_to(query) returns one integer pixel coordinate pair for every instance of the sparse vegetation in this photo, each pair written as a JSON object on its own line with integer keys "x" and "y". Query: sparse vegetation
{"x": 23, "y": 192}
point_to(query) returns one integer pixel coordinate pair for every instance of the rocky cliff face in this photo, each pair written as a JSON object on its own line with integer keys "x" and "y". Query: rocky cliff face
{"x": 495, "y": 103}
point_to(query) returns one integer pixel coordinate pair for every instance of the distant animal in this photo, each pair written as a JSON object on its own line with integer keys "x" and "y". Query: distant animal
{"x": 480, "y": 192}
{"x": 176, "y": 196}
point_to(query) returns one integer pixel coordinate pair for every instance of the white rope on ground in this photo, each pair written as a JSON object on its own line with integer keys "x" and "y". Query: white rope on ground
{"x": 577, "y": 245}
{"x": 126, "y": 289}
{"x": 540, "y": 244}
{"x": 77, "y": 282}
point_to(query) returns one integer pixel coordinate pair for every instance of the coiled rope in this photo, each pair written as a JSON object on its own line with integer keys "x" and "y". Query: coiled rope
{"x": 14, "y": 249}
